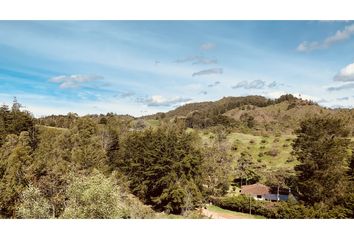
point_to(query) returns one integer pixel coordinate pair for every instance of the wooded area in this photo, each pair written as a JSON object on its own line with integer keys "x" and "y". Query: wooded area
{"x": 118, "y": 166}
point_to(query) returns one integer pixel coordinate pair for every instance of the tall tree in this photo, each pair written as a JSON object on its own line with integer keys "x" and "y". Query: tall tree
{"x": 87, "y": 151}
{"x": 321, "y": 147}
{"x": 246, "y": 168}
{"x": 51, "y": 163}
{"x": 163, "y": 167}
{"x": 14, "y": 178}
{"x": 217, "y": 169}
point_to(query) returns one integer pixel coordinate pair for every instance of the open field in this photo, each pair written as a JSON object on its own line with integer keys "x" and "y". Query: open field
{"x": 219, "y": 213}
{"x": 259, "y": 148}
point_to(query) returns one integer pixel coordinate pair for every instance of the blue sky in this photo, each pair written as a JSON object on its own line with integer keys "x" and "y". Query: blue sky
{"x": 143, "y": 67}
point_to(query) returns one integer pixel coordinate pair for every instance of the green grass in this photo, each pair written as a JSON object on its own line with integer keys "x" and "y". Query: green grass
{"x": 153, "y": 123}
{"x": 231, "y": 214}
{"x": 243, "y": 143}
{"x": 168, "y": 216}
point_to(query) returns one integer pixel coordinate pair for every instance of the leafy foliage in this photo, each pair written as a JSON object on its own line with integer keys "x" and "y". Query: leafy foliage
{"x": 163, "y": 167}
{"x": 15, "y": 121}
{"x": 97, "y": 196}
{"x": 217, "y": 170}
{"x": 33, "y": 204}
{"x": 15, "y": 161}
{"x": 282, "y": 210}
{"x": 321, "y": 149}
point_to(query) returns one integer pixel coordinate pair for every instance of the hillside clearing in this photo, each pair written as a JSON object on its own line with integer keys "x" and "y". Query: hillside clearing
{"x": 215, "y": 212}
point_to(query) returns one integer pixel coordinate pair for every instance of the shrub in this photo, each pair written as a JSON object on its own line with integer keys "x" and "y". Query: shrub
{"x": 33, "y": 205}
{"x": 252, "y": 141}
{"x": 234, "y": 147}
{"x": 283, "y": 210}
{"x": 273, "y": 152}
{"x": 97, "y": 197}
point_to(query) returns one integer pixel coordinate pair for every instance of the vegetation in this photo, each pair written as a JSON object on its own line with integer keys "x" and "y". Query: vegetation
{"x": 321, "y": 147}
{"x": 169, "y": 165}
{"x": 163, "y": 168}
{"x": 284, "y": 210}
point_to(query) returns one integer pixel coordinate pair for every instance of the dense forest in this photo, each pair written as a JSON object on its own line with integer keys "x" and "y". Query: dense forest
{"x": 173, "y": 164}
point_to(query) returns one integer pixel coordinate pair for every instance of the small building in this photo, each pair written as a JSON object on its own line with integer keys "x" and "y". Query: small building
{"x": 262, "y": 192}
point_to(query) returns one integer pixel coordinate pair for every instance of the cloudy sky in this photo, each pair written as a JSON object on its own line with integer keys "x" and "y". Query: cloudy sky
{"x": 142, "y": 67}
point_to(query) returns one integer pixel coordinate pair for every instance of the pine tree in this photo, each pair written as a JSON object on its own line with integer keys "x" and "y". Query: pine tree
{"x": 163, "y": 167}
{"x": 321, "y": 147}
{"x": 246, "y": 168}
{"x": 14, "y": 178}
{"x": 51, "y": 163}
{"x": 87, "y": 152}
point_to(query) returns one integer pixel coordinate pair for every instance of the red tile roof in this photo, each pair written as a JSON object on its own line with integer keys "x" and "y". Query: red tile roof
{"x": 255, "y": 189}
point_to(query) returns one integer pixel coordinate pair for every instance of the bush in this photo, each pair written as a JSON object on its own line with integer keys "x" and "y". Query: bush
{"x": 282, "y": 210}
{"x": 33, "y": 205}
{"x": 276, "y": 140}
{"x": 252, "y": 141}
{"x": 273, "y": 152}
{"x": 234, "y": 147}
{"x": 263, "y": 141}
{"x": 99, "y": 197}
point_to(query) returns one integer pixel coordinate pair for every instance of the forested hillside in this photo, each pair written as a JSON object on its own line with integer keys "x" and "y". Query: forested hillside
{"x": 171, "y": 164}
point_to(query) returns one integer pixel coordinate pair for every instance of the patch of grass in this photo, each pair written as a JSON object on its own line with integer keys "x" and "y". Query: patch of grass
{"x": 258, "y": 147}
{"x": 153, "y": 122}
{"x": 232, "y": 214}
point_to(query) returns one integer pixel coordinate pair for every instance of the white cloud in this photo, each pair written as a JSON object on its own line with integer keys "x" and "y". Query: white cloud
{"x": 346, "y": 74}
{"x": 340, "y": 35}
{"x": 187, "y": 59}
{"x": 308, "y": 46}
{"x": 207, "y": 46}
{"x": 341, "y": 87}
{"x": 277, "y": 94}
{"x": 255, "y": 84}
{"x": 343, "y": 99}
{"x": 272, "y": 84}
{"x": 214, "y": 84}
{"x": 124, "y": 95}
{"x": 197, "y": 60}
{"x": 208, "y": 72}
{"x": 160, "y": 101}
{"x": 73, "y": 81}
{"x": 205, "y": 61}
